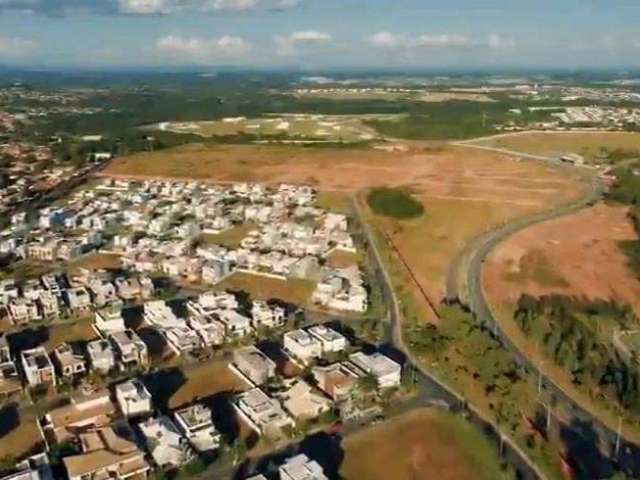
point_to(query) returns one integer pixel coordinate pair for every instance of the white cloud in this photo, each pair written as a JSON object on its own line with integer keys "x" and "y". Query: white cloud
{"x": 389, "y": 40}
{"x": 163, "y": 7}
{"x": 498, "y": 42}
{"x": 202, "y": 50}
{"x": 288, "y": 45}
{"x": 442, "y": 41}
{"x": 16, "y": 46}
{"x": 385, "y": 40}
{"x": 146, "y": 7}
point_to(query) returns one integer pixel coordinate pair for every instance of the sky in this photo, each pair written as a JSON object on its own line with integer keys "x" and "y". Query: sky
{"x": 320, "y": 33}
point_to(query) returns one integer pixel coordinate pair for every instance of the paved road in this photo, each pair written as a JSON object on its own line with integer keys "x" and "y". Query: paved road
{"x": 512, "y": 453}
{"x": 472, "y": 260}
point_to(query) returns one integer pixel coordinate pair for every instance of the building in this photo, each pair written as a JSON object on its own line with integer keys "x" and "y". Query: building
{"x": 302, "y": 346}
{"x": 159, "y": 314}
{"x": 168, "y": 448}
{"x": 37, "y": 367}
{"x": 331, "y": 341}
{"x": 210, "y": 331}
{"x": 235, "y": 325}
{"x": 303, "y": 403}
{"x": 266, "y": 316}
{"x": 386, "y": 372}
{"x": 133, "y": 398}
{"x": 78, "y": 299}
{"x": 196, "y": 425}
{"x": 301, "y": 468}
{"x": 102, "y": 358}
{"x": 109, "y": 320}
{"x": 262, "y": 413}
{"x": 36, "y": 467}
{"x": 81, "y": 414}
{"x": 131, "y": 351}
{"x": 338, "y": 381}
{"x": 107, "y": 454}
{"x": 253, "y": 365}
{"x": 182, "y": 339}
{"x": 70, "y": 363}
{"x": 10, "y": 383}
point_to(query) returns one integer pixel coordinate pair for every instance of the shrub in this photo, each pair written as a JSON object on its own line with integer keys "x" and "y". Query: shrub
{"x": 395, "y": 203}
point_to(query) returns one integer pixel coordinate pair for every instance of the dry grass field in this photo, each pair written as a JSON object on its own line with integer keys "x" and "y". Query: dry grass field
{"x": 544, "y": 260}
{"x": 22, "y": 439}
{"x": 296, "y": 291}
{"x": 230, "y": 238}
{"x": 587, "y": 144}
{"x": 205, "y": 380}
{"x": 96, "y": 261}
{"x": 421, "y": 445}
{"x": 464, "y": 191}
{"x": 79, "y": 331}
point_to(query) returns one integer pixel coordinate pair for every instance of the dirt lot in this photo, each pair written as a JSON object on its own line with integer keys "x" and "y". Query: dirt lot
{"x": 587, "y": 144}
{"x": 230, "y": 238}
{"x": 465, "y": 191}
{"x": 420, "y": 445}
{"x": 588, "y": 263}
{"x": 204, "y": 380}
{"x": 295, "y": 291}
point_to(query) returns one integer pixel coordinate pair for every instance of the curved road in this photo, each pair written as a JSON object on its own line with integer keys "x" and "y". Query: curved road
{"x": 511, "y": 451}
{"x": 471, "y": 260}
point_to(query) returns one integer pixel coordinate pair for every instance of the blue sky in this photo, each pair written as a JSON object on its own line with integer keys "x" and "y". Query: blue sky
{"x": 320, "y": 33}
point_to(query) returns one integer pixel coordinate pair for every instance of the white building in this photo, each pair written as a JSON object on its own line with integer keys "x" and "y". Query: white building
{"x": 131, "y": 351}
{"x": 197, "y": 426}
{"x": 261, "y": 413}
{"x": 70, "y": 363}
{"x": 301, "y": 468}
{"x": 159, "y": 314}
{"x": 302, "y": 346}
{"x": 182, "y": 339}
{"x": 253, "y": 365}
{"x": 101, "y": 356}
{"x": 133, "y": 398}
{"x": 235, "y": 324}
{"x": 109, "y": 320}
{"x": 331, "y": 341}
{"x": 387, "y": 372}
{"x": 264, "y": 315}
{"x": 168, "y": 448}
{"x": 303, "y": 402}
{"x": 37, "y": 367}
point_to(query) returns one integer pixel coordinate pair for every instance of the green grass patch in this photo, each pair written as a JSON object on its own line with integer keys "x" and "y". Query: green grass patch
{"x": 394, "y": 203}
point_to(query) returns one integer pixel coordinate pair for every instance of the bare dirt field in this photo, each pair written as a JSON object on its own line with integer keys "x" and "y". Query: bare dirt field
{"x": 465, "y": 191}
{"x": 545, "y": 259}
{"x": 420, "y": 445}
{"x": 587, "y": 144}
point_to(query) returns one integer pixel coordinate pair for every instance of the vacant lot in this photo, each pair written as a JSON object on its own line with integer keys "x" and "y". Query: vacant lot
{"x": 587, "y": 263}
{"x": 19, "y": 434}
{"x": 96, "y": 261}
{"x": 260, "y": 287}
{"x": 588, "y": 144}
{"x": 205, "y": 380}
{"x": 464, "y": 191}
{"x": 421, "y": 445}
{"x": 229, "y": 238}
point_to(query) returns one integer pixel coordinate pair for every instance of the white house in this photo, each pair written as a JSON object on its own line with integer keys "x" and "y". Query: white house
{"x": 133, "y": 398}
{"x": 168, "y": 448}
{"x": 109, "y": 320}
{"x": 197, "y": 426}
{"x": 387, "y": 372}
{"x": 303, "y": 403}
{"x": 37, "y": 367}
{"x": 182, "y": 339}
{"x": 159, "y": 314}
{"x": 131, "y": 351}
{"x": 302, "y": 346}
{"x": 101, "y": 356}
{"x": 331, "y": 341}
{"x": 265, "y": 316}
{"x": 253, "y": 365}
{"x": 301, "y": 468}
{"x": 262, "y": 413}
{"x": 235, "y": 324}
{"x": 70, "y": 362}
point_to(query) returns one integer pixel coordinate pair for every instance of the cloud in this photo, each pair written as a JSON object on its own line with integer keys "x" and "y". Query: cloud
{"x": 16, "y": 46}
{"x": 498, "y": 42}
{"x": 385, "y": 40}
{"x": 143, "y": 7}
{"x": 289, "y": 45}
{"x": 389, "y": 40}
{"x": 202, "y": 50}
